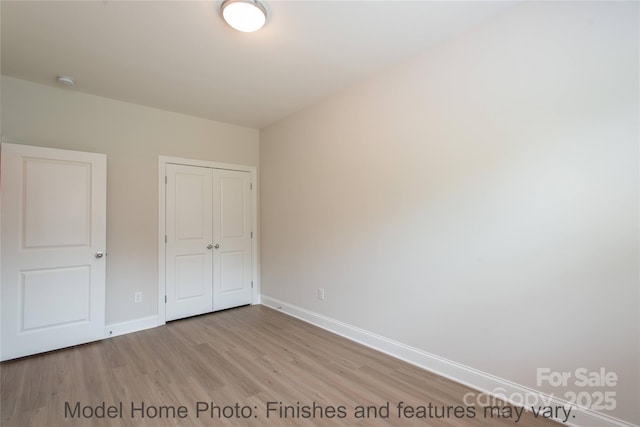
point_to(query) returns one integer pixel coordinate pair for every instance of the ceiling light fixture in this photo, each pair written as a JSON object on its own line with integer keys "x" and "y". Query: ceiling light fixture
{"x": 244, "y": 15}
{"x": 65, "y": 80}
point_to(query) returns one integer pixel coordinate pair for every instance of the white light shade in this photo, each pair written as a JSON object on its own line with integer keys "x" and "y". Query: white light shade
{"x": 244, "y": 15}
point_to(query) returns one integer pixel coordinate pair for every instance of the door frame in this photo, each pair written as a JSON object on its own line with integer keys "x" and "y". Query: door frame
{"x": 255, "y": 260}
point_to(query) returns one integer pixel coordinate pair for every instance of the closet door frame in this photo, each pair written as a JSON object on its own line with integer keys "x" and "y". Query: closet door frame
{"x": 162, "y": 165}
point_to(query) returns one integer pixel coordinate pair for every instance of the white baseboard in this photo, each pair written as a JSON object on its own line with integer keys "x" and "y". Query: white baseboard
{"x": 478, "y": 380}
{"x": 130, "y": 326}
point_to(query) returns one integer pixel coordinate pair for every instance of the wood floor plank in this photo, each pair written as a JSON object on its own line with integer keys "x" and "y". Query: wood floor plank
{"x": 250, "y": 366}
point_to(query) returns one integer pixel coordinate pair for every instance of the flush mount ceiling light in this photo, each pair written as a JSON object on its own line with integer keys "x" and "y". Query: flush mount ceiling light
{"x": 65, "y": 80}
{"x": 244, "y": 15}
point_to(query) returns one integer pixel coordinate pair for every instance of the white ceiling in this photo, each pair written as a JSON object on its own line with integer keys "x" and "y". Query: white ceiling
{"x": 180, "y": 56}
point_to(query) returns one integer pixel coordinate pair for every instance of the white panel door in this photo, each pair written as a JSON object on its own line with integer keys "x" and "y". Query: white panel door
{"x": 188, "y": 248}
{"x": 232, "y": 239}
{"x": 208, "y": 240}
{"x": 53, "y": 228}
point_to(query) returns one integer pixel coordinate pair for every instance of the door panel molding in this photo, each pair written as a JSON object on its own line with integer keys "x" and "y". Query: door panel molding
{"x": 253, "y": 268}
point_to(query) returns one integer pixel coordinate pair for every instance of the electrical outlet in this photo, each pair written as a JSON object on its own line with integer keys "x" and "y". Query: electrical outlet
{"x": 137, "y": 297}
{"x": 321, "y": 294}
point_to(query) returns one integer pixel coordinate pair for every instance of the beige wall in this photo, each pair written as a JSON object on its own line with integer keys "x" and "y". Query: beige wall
{"x": 479, "y": 202}
{"x": 132, "y": 137}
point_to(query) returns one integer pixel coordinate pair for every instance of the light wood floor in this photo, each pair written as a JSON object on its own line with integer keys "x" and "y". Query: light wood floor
{"x": 247, "y": 356}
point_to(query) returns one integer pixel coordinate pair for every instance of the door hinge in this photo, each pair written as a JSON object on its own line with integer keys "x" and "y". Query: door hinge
{"x": 251, "y": 186}
{"x": 165, "y": 299}
{"x": 165, "y": 238}
{"x": 252, "y": 284}
{"x": 165, "y": 179}
{"x": 252, "y": 234}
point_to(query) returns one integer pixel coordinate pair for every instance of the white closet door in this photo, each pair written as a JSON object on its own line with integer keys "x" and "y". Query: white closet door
{"x": 208, "y": 240}
{"x": 232, "y": 239}
{"x": 53, "y": 243}
{"x": 189, "y": 258}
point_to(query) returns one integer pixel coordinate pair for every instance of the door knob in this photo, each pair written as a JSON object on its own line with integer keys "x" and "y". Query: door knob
{"x": 216, "y": 246}
{"x": 99, "y": 254}
{"x": 209, "y": 246}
